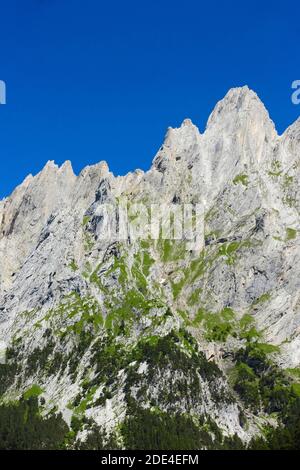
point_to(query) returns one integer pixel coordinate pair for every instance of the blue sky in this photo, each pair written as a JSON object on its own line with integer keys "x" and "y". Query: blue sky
{"x": 89, "y": 80}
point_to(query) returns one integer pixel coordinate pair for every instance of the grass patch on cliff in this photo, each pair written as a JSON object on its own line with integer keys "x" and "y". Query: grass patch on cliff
{"x": 241, "y": 179}
{"x": 228, "y": 250}
{"x": 172, "y": 250}
{"x": 291, "y": 234}
{"x": 74, "y": 314}
{"x": 73, "y": 266}
{"x": 191, "y": 273}
{"x": 218, "y": 326}
{"x": 34, "y": 391}
{"x": 120, "y": 317}
{"x": 262, "y": 299}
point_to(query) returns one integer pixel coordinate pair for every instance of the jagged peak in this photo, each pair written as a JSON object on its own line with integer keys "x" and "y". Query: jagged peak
{"x": 186, "y": 126}
{"x": 239, "y": 101}
{"x": 101, "y": 167}
{"x": 293, "y": 129}
{"x": 290, "y": 139}
{"x": 21, "y": 187}
{"x": 177, "y": 135}
{"x": 66, "y": 167}
{"x": 50, "y": 168}
{"x": 187, "y": 123}
{"x": 50, "y": 165}
{"x": 237, "y": 105}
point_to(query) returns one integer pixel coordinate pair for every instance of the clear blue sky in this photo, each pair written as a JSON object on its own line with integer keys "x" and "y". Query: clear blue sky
{"x": 91, "y": 80}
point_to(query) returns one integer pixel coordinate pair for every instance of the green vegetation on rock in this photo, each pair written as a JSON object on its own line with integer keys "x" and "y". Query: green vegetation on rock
{"x": 241, "y": 179}
{"x": 291, "y": 233}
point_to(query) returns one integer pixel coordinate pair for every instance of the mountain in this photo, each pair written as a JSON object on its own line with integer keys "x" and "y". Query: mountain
{"x": 112, "y": 341}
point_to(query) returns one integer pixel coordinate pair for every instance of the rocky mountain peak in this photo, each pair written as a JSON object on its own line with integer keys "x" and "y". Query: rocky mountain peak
{"x": 241, "y": 109}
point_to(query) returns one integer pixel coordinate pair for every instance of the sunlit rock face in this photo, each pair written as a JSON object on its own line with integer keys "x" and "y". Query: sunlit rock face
{"x": 78, "y": 305}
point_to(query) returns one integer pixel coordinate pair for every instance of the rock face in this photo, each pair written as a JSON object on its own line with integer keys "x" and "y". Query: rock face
{"x": 108, "y": 328}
